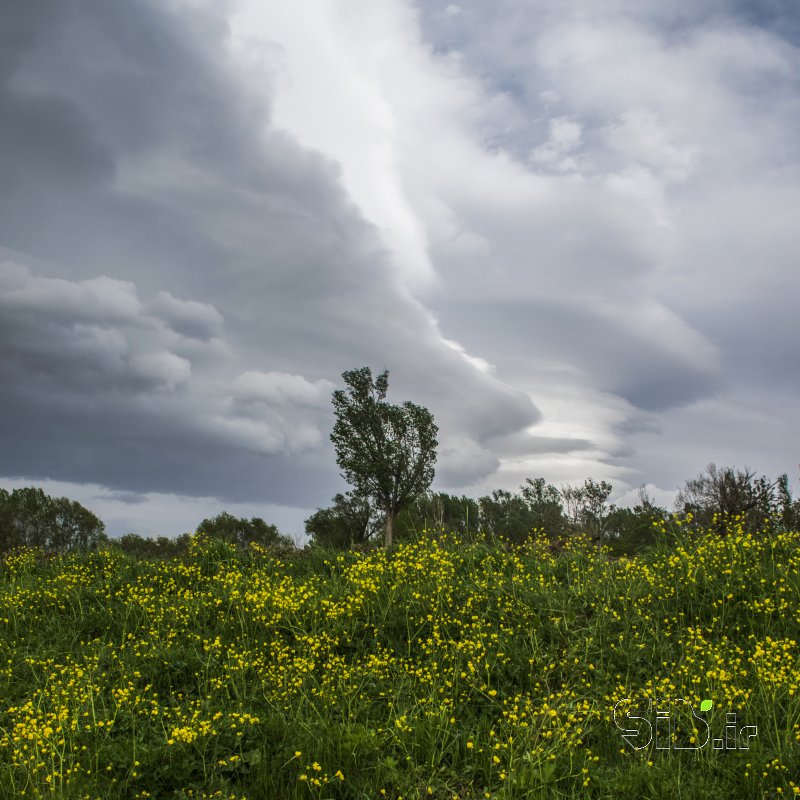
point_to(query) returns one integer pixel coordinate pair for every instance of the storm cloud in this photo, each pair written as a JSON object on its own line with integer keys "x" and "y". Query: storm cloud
{"x": 566, "y": 230}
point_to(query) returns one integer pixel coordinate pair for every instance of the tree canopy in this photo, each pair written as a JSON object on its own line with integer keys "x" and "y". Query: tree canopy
{"x": 351, "y": 521}
{"x": 29, "y": 517}
{"x": 241, "y": 531}
{"x": 720, "y": 493}
{"x": 387, "y": 452}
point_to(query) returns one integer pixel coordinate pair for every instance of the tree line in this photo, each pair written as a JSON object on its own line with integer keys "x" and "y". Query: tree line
{"x": 31, "y": 518}
{"x": 715, "y": 498}
{"x": 387, "y": 453}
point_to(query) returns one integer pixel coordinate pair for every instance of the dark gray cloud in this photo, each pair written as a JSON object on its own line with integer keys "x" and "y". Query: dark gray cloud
{"x": 617, "y": 354}
{"x": 188, "y": 317}
{"x": 199, "y": 279}
{"x": 128, "y": 498}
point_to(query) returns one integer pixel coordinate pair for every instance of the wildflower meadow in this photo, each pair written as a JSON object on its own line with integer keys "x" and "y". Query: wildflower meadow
{"x": 447, "y": 667}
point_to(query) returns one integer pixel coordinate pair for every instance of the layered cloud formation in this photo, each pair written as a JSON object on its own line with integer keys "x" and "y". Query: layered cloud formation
{"x": 567, "y": 230}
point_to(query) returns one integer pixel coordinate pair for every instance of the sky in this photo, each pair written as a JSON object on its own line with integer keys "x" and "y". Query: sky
{"x": 568, "y": 229}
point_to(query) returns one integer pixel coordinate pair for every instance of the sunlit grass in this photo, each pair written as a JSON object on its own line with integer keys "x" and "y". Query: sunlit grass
{"x": 447, "y": 668}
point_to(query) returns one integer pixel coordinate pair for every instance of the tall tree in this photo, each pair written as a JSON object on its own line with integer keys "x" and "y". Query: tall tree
{"x": 387, "y": 452}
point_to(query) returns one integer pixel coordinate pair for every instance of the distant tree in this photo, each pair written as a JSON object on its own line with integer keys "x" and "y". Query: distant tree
{"x": 29, "y": 517}
{"x": 721, "y": 493}
{"x": 74, "y": 527}
{"x": 630, "y": 530}
{"x": 544, "y": 503}
{"x": 352, "y": 520}
{"x": 387, "y": 452}
{"x": 585, "y": 507}
{"x": 425, "y": 513}
{"x": 438, "y": 511}
{"x": 9, "y": 535}
{"x": 132, "y": 544}
{"x": 788, "y": 510}
{"x": 506, "y": 516}
{"x": 537, "y": 506}
{"x": 241, "y": 531}
{"x": 143, "y": 547}
{"x": 6, "y": 531}
{"x": 175, "y": 547}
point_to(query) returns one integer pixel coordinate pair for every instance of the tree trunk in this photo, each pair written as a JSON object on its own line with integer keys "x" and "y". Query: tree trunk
{"x": 387, "y": 542}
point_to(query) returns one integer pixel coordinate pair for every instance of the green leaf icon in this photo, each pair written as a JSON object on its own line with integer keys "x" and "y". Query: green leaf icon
{"x": 706, "y": 705}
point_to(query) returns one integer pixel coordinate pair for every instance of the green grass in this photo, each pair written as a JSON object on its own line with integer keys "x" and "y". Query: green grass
{"x": 447, "y": 668}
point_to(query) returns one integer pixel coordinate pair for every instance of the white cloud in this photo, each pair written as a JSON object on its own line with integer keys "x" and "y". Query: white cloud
{"x": 356, "y": 51}
{"x": 280, "y": 388}
{"x": 640, "y": 136}
{"x": 565, "y": 137}
{"x": 101, "y": 299}
{"x": 276, "y": 436}
{"x": 161, "y": 369}
{"x": 480, "y": 364}
{"x": 454, "y": 10}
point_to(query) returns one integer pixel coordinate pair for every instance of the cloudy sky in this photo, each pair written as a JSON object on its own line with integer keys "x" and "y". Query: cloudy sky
{"x": 568, "y": 229}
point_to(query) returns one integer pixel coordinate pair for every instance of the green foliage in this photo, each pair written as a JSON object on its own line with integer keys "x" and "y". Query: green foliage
{"x": 544, "y": 504}
{"x": 628, "y": 531}
{"x": 211, "y": 553}
{"x": 351, "y": 521}
{"x": 386, "y": 452}
{"x": 241, "y": 532}
{"x": 437, "y": 511}
{"x": 536, "y": 507}
{"x": 585, "y": 507}
{"x": 224, "y": 529}
{"x": 787, "y": 510}
{"x": 506, "y": 515}
{"x": 31, "y": 518}
{"x": 631, "y": 530}
{"x": 145, "y": 547}
{"x": 720, "y": 494}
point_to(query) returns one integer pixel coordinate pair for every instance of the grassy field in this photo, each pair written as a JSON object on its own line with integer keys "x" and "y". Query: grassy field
{"x": 446, "y": 669}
